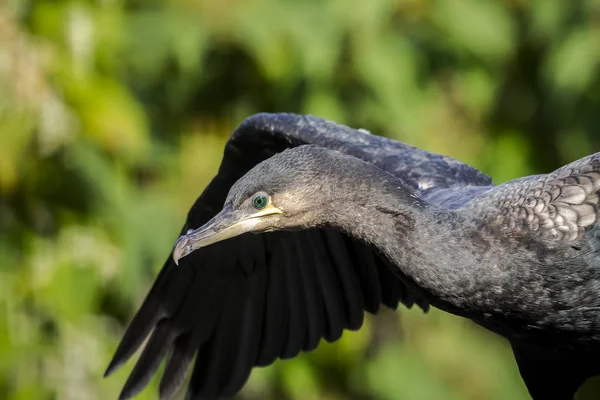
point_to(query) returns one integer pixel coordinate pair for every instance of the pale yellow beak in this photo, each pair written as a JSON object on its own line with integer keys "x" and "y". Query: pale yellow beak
{"x": 225, "y": 225}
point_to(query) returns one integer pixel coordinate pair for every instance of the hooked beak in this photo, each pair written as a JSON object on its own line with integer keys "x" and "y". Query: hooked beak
{"x": 225, "y": 225}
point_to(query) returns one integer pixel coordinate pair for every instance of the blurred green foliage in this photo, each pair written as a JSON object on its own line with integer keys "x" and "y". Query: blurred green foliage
{"x": 114, "y": 113}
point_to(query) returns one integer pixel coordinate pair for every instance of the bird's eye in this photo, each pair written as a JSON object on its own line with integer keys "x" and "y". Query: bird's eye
{"x": 260, "y": 200}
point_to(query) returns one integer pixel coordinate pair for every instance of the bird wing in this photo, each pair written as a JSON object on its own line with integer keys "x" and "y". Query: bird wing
{"x": 419, "y": 170}
{"x": 255, "y": 298}
{"x": 559, "y": 206}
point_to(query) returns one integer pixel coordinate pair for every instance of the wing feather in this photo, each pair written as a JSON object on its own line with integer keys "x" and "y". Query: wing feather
{"x": 364, "y": 263}
{"x": 392, "y": 289}
{"x": 203, "y": 305}
{"x": 250, "y": 334}
{"x": 221, "y": 350}
{"x": 149, "y": 361}
{"x": 330, "y": 289}
{"x": 348, "y": 281}
{"x": 314, "y": 302}
{"x": 297, "y": 312}
{"x": 277, "y": 307}
{"x": 164, "y": 298}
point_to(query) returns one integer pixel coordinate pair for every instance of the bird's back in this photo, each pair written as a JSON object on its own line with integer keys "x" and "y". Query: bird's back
{"x": 542, "y": 233}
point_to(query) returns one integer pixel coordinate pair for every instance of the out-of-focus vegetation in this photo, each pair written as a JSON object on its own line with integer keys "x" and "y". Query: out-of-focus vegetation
{"x": 113, "y": 116}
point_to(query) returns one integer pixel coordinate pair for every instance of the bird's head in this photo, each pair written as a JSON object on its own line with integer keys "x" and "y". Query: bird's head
{"x": 292, "y": 189}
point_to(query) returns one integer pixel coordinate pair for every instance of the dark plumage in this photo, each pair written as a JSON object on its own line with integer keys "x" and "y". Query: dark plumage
{"x": 361, "y": 221}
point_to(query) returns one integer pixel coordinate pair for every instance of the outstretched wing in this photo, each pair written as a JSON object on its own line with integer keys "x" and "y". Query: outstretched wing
{"x": 420, "y": 170}
{"x": 252, "y": 299}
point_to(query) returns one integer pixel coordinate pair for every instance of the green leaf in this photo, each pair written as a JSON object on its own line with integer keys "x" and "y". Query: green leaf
{"x": 479, "y": 27}
{"x": 572, "y": 64}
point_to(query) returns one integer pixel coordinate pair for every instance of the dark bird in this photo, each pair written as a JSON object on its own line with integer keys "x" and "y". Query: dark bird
{"x": 356, "y": 221}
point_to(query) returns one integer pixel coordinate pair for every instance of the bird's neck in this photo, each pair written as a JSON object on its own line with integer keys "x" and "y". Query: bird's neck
{"x": 427, "y": 244}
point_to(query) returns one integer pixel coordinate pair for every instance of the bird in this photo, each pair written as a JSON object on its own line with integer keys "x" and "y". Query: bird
{"x": 309, "y": 224}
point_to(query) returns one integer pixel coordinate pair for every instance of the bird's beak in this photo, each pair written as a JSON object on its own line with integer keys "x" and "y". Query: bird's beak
{"x": 225, "y": 225}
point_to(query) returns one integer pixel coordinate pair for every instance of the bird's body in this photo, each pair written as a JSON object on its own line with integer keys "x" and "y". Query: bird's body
{"x": 360, "y": 221}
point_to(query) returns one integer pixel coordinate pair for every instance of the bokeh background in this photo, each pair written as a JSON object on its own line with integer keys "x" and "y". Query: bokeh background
{"x": 114, "y": 114}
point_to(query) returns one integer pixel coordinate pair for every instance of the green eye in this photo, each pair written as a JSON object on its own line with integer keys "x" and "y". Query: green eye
{"x": 260, "y": 201}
